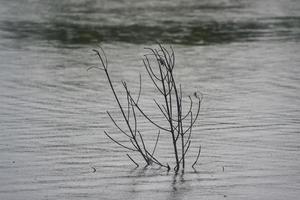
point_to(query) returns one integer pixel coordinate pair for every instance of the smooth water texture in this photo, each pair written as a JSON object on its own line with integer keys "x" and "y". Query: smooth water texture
{"x": 242, "y": 55}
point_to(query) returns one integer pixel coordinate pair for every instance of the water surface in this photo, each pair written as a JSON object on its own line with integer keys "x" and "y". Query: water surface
{"x": 242, "y": 55}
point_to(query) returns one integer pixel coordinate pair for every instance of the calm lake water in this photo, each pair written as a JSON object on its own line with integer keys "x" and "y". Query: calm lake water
{"x": 242, "y": 55}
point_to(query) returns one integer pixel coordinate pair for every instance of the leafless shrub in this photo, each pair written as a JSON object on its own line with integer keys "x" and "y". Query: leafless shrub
{"x": 159, "y": 64}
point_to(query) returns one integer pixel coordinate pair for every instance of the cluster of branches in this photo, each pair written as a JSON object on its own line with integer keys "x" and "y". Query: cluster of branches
{"x": 159, "y": 64}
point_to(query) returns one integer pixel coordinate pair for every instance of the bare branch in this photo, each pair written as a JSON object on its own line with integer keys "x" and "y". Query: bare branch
{"x": 156, "y": 143}
{"x": 104, "y": 64}
{"x": 118, "y": 142}
{"x": 115, "y": 123}
{"x": 145, "y": 149}
{"x": 173, "y": 57}
{"x": 134, "y": 144}
{"x": 140, "y": 90}
{"x": 197, "y": 157}
{"x": 128, "y": 105}
{"x": 161, "y": 110}
{"x": 137, "y": 165}
{"x": 149, "y": 73}
{"x": 190, "y": 108}
{"x": 165, "y": 56}
{"x": 156, "y": 161}
{"x": 94, "y": 67}
{"x": 134, "y": 117}
{"x": 190, "y": 133}
{"x": 197, "y": 114}
{"x": 185, "y": 151}
{"x": 150, "y": 68}
{"x": 147, "y": 117}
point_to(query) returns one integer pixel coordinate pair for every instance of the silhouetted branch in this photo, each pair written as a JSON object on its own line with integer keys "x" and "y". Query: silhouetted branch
{"x": 113, "y": 120}
{"x": 155, "y": 143}
{"x": 137, "y": 165}
{"x": 140, "y": 90}
{"x": 118, "y": 142}
{"x": 197, "y": 157}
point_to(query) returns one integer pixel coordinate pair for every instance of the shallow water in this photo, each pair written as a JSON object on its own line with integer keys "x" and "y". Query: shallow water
{"x": 242, "y": 55}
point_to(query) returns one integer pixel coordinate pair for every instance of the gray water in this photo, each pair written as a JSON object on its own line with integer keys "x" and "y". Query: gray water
{"x": 242, "y": 55}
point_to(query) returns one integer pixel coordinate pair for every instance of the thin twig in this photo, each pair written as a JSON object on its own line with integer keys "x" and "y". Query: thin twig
{"x": 190, "y": 133}
{"x": 142, "y": 140}
{"x": 161, "y": 110}
{"x": 104, "y": 65}
{"x": 185, "y": 151}
{"x": 197, "y": 114}
{"x": 134, "y": 144}
{"x": 137, "y": 165}
{"x": 149, "y": 73}
{"x": 118, "y": 142}
{"x": 150, "y": 69}
{"x": 156, "y": 143}
{"x": 147, "y": 117}
{"x": 140, "y": 90}
{"x": 115, "y": 123}
{"x": 197, "y": 157}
